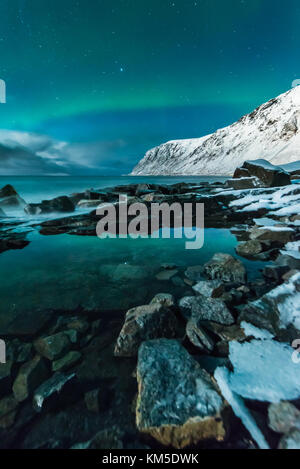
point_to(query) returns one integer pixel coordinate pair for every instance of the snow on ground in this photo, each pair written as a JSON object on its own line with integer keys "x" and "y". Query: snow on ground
{"x": 264, "y": 371}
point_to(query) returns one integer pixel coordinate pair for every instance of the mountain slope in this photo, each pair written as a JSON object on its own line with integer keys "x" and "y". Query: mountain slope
{"x": 271, "y": 132}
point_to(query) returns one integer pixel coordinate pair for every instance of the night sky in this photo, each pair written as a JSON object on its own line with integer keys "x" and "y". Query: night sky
{"x": 116, "y": 77}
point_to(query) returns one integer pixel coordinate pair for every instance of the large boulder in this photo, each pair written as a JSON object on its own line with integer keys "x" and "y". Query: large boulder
{"x": 144, "y": 323}
{"x": 242, "y": 183}
{"x": 202, "y": 308}
{"x": 250, "y": 249}
{"x": 268, "y": 174}
{"x": 226, "y": 268}
{"x": 10, "y": 200}
{"x": 178, "y": 403}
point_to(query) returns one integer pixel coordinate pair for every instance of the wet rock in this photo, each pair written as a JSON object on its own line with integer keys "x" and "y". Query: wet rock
{"x": 198, "y": 337}
{"x": 30, "y": 376}
{"x": 194, "y": 273}
{"x": 144, "y": 323}
{"x": 178, "y": 403}
{"x": 249, "y": 249}
{"x": 243, "y": 183}
{"x": 202, "y": 308}
{"x": 166, "y": 275}
{"x": 67, "y": 361}
{"x": 268, "y": 174}
{"x": 209, "y": 288}
{"x": 291, "y": 440}
{"x": 58, "y": 204}
{"x": 226, "y": 268}
{"x": 96, "y": 400}
{"x": 54, "y": 391}
{"x": 164, "y": 299}
{"x": 53, "y": 346}
{"x": 283, "y": 417}
{"x": 5, "y": 377}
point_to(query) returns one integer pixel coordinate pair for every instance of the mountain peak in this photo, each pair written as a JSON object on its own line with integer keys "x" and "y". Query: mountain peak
{"x": 271, "y": 132}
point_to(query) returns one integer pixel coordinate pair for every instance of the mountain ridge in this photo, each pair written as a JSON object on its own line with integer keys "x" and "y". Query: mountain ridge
{"x": 270, "y": 132}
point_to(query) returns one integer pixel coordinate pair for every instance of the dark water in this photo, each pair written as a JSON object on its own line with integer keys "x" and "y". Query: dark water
{"x": 64, "y": 272}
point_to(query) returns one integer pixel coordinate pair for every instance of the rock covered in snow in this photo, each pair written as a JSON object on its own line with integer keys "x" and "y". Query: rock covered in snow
{"x": 266, "y": 174}
{"x": 271, "y": 132}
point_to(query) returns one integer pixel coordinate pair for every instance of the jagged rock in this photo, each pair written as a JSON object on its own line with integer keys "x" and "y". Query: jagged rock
{"x": 30, "y": 376}
{"x": 226, "y": 333}
{"x": 283, "y": 417}
{"x": 278, "y": 234}
{"x": 209, "y": 288}
{"x": 10, "y": 199}
{"x": 96, "y": 400}
{"x": 67, "y": 361}
{"x": 58, "y": 204}
{"x": 244, "y": 182}
{"x": 178, "y": 403}
{"x": 53, "y": 346}
{"x": 164, "y": 299}
{"x": 198, "y": 336}
{"x": 202, "y": 308}
{"x": 249, "y": 249}
{"x": 226, "y": 268}
{"x": 144, "y": 323}
{"x": 291, "y": 440}
{"x": 54, "y": 391}
{"x": 5, "y": 377}
{"x": 268, "y": 174}
{"x": 194, "y": 273}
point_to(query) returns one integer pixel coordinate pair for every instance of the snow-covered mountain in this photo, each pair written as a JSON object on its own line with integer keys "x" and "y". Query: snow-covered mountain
{"x": 271, "y": 132}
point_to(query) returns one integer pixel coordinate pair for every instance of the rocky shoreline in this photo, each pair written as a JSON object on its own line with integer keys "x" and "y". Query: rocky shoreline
{"x": 209, "y": 367}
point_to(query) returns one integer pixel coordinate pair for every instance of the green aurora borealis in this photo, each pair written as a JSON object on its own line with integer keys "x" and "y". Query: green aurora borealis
{"x": 69, "y": 64}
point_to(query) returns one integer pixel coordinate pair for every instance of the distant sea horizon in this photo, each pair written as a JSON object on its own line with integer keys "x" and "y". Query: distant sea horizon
{"x": 33, "y": 189}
